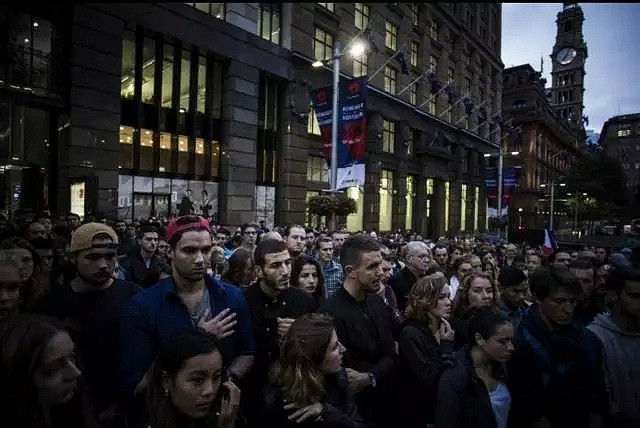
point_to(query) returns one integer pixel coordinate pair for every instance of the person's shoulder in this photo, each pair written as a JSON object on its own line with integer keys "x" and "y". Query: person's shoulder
{"x": 128, "y": 287}
{"x": 152, "y": 295}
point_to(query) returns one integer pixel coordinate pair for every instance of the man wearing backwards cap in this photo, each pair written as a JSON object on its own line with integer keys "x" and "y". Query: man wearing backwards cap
{"x": 189, "y": 299}
{"x": 93, "y": 301}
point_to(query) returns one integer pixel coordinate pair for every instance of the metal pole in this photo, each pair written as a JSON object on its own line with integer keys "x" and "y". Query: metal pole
{"x": 575, "y": 220}
{"x": 334, "y": 122}
{"x": 500, "y": 159}
{"x": 553, "y": 186}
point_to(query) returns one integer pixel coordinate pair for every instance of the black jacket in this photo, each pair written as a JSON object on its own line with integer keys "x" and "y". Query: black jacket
{"x": 555, "y": 373}
{"x": 401, "y": 284}
{"x": 420, "y": 366}
{"x": 340, "y": 410}
{"x": 463, "y": 400}
{"x": 137, "y": 271}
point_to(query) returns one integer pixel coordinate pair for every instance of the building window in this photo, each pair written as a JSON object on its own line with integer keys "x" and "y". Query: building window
{"x": 148, "y": 71}
{"x": 146, "y": 150}
{"x": 433, "y": 64}
{"x": 464, "y": 160}
{"x": 434, "y": 30}
{"x": 447, "y": 200}
{"x": 463, "y": 208}
{"x": 451, "y": 74}
{"x": 312, "y": 220}
{"x": 390, "y": 79}
{"x": 201, "y": 96}
{"x": 126, "y": 147}
{"x": 391, "y": 35}
{"x": 386, "y": 200}
{"x": 167, "y": 76}
{"x": 322, "y": 44}
{"x": 214, "y": 149}
{"x": 624, "y": 132}
{"x": 413, "y": 94}
{"x": 362, "y": 11}
{"x": 183, "y": 154}
{"x": 415, "y": 14}
{"x": 328, "y": 6}
{"x": 199, "y": 150}
{"x": 361, "y": 65}
{"x": 269, "y": 22}
{"x": 317, "y": 169}
{"x": 128, "y": 71}
{"x": 431, "y": 105}
{"x": 312, "y": 124}
{"x": 213, "y": 9}
{"x": 416, "y": 136}
{"x": 164, "y": 163}
{"x": 388, "y": 136}
{"x": 476, "y": 208}
{"x": 429, "y": 191}
{"x": 268, "y": 107}
{"x": 410, "y": 196}
{"x": 185, "y": 80}
{"x": 414, "y": 53}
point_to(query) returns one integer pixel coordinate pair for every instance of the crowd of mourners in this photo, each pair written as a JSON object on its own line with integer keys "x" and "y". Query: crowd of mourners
{"x": 187, "y": 324}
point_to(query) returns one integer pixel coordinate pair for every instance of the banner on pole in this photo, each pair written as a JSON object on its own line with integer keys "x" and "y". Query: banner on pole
{"x": 352, "y": 128}
{"x": 510, "y": 177}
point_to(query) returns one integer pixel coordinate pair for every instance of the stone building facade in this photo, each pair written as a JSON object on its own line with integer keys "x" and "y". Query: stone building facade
{"x": 620, "y": 138}
{"x": 153, "y": 108}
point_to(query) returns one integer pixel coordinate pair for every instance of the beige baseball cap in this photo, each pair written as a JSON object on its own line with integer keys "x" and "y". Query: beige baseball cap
{"x": 83, "y": 236}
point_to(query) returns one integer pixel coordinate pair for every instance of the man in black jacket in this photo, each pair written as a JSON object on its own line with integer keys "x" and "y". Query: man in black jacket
{"x": 363, "y": 327}
{"x": 417, "y": 258}
{"x": 143, "y": 267}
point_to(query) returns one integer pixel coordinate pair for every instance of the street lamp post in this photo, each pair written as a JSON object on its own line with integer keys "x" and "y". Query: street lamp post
{"x": 500, "y": 162}
{"x": 334, "y": 123}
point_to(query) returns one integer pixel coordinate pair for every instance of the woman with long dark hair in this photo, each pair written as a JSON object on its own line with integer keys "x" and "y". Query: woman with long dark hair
{"x": 24, "y": 255}
{"x": 308, "y": 385}
{"x": 473, "y": 392}
{"x": 39, "y": 376}
{"x": 425, "y": 338}
{"x": 184, "y": 387}
{"x": 240, "y": 269}
{"x": 477, "y": 291}
{"x": 306, "y": 274}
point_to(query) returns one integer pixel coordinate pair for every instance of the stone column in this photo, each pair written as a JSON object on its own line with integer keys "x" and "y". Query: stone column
{"x": 238, "y": 166}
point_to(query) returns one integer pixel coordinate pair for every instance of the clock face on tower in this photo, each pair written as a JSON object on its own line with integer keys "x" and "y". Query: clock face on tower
{"x": 566, "y": 55}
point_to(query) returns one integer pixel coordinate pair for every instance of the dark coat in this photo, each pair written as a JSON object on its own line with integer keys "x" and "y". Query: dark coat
{"x": 401, "y": 284}
{"x": 340, "y": 410}
{"x": 137, "y": 271}
{"x": 420, "y": 366}
{"x": 463, "y": 400}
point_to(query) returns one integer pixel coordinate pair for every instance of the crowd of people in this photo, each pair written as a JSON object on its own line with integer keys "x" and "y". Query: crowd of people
{"x": 189, "y": 324}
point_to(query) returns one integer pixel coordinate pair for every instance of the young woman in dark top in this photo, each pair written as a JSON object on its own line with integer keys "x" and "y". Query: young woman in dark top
{"x": 308, "y": 386}
{"x": 423, "y": 341}
{"x": 306, "y": 274}
{"x": 240, "y": 271}
{"x": 477, "y": 291}
{"x": 22, "y": 253}
{"x": 472, "y": 392}
{"x": 40, "y": 380}
{"x": 185, "y": 387}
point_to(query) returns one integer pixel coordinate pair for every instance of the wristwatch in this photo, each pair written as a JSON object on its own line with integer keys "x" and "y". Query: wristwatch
{"x": 372, "y": 378}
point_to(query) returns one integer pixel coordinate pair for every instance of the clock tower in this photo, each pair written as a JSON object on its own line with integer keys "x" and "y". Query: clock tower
{"x": 568, "y": 58}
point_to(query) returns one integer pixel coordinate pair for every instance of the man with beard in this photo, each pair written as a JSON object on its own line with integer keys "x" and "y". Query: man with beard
{"x": 362, "y": 326}
{"x": 143, "y": 267}
{"x": 274, "y": 305}
{"x": 92, "y": 302}
{"x": 189, "y": 299}
{"x": 295, "y": 238}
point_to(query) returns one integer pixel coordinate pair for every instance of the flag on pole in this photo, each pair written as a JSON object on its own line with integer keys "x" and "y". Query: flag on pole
{"x": 550, "y": 244}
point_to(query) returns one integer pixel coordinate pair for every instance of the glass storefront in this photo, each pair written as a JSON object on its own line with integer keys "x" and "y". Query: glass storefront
{"x": 142, "y": 197}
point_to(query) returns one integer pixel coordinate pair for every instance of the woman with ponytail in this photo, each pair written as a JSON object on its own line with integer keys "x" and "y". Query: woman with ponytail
{"x": 308, "y": 385}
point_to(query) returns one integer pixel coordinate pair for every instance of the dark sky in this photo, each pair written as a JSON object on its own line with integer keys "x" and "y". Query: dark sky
{"x": 612, "y": 33}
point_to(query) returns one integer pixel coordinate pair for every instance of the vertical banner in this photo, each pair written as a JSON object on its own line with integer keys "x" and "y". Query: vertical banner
{"x": 353, "y": 132}
{"x": 352, "y": 128}
{"x": 321, "y": 99}
{"x": 510, "y": 177}
{"x": 491, "y": 186}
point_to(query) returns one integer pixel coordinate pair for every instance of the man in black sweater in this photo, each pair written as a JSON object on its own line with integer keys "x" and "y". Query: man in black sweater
{"x": 363, "y": 327}
{"x": 92, "y": 303}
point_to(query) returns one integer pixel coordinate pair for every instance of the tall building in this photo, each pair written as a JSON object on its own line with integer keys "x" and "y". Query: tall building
{"x": 620, "y": 138}
{"x": 549, "y": 120}
{"x": 138, "y": 109}
{"x": 410, "y": 181}
{"x": 546, "y": 143}
{"x": 568, "y": 60}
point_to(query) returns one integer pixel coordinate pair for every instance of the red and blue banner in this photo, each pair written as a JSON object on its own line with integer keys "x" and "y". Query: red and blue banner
{"x": 352, "y": 128}
{"x": 510, "y": 177}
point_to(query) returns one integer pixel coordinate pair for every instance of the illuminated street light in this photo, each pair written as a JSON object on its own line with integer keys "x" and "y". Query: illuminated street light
{"x": 317, "y": 64}
{"x": 515, "y": 153}
{"x": 358, "y": 49}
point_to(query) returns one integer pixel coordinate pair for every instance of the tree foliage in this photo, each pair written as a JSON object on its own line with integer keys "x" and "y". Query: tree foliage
{"x": 329, "y": 205}
{"x": 602, "y": 178}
